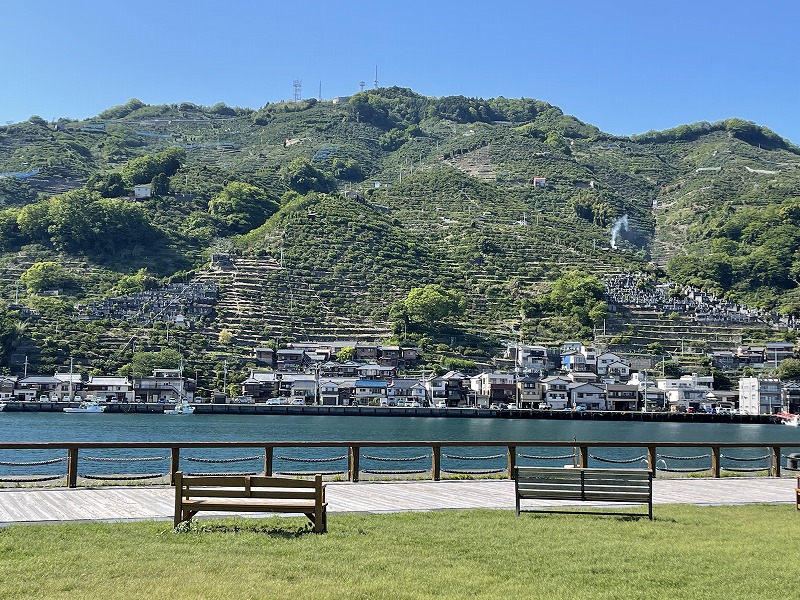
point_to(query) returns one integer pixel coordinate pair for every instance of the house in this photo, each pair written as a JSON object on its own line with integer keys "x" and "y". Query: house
{"x": 448, "y": 388}
{"x": 305, "y": 389}
{"x": 529, "y": 392}
{"x": 71, "y": 385}
{"x": 142, "y": 192}
{"x": 110, "y": 389}
{"x": 621, "y": 396}
{"x": 555, "y": 391}
{"x": 494, "y": 387}
{"x": 370, "y": 391}
{"x": 264, "y": 355}
{"x": 604, "y": 360}
{"x": 791, "y": 397}
{"x": 290, "y": 359}
{"x": 376, "y": 371}
{"x": 404, "y": 391}
{"x": 573, "y": 361}
{"x": 590, "y": 395}
{"x": 167, "y": 385}
{"x": 725, "y": 360}
{"x": 619, "y": 370}
{"x": 389, "y": 356}
{"x": 760, "y": 396}
{"x": 7, "y": 385}
{"x": 539, "y": 182}
{"x": 775, "y": 352}
{"x": 528, "y": 359}
{"x": 590, "y": 355}
{"x": 366, "y": 352}
{"x": 34, "y": 387}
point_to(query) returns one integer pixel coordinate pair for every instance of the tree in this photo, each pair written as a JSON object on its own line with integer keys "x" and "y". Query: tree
{"x": 225, "y": 337}
{"x": 788, "y": 369}
{"x": 108, "y": 185}
{"x": 144, "y": 168}
{"x": 141, "y": 281}
{"x": 303, "y": 177}
{"x": 433, "y": 303}
{"x": 241, "y": 206}
{"x": 345, "y": 354}
{"x": 144, "y": 363}
{"x": 46, "y": 275}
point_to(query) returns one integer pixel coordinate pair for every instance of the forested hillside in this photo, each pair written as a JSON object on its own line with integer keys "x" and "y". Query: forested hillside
{"x": 318, "y": 218}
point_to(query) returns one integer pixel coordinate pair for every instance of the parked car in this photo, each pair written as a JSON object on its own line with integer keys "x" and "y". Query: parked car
{"x": 545, "y": 406}
{"x": 441, "y": 404}
{"x": 274, "y": 401}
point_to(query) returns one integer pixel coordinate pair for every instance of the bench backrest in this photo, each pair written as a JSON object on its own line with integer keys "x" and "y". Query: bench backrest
{"x": 633, "y": 485}
{"x": 248, "y": 486}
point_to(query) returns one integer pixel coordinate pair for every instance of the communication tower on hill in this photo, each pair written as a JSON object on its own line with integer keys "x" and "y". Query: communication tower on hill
{"x": 297, "y": 90}
{"x": 376, "y": 76}
{"x": 361, "y": 85}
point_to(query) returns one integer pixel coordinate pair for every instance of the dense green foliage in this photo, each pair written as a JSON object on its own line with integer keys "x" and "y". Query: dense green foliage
{"x": 341, "y": 209}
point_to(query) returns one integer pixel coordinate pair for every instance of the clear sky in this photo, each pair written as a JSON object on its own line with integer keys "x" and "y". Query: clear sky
{"x": 626, "y": 66}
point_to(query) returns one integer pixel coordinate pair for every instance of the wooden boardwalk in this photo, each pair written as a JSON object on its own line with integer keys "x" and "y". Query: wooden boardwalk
{"x": 50, "y": 505}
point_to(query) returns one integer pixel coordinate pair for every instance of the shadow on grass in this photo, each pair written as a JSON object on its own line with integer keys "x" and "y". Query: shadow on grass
{"x": 196, "y": 527}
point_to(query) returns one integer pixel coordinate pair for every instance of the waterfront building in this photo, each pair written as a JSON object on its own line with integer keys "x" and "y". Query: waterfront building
{"x": 620, "y": 396}
{"x": 110, "y": 389}
{"x": 555, "y": 391}
{"x": 760, "y": 396}
{"x": 590, "y": 395}
{"x": 164, "y": 385}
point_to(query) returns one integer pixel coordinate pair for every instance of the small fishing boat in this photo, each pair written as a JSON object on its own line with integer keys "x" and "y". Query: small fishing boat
{"x": 182, "y": 408}
{"x": 87, "y": 406}
{"x": 2, "y": 406}
{"x": 789, "y": 419}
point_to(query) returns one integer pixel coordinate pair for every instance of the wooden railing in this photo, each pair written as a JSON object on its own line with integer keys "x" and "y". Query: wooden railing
{"x": 580, "y": 452}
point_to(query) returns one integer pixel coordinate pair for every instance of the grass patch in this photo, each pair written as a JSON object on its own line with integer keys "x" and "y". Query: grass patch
{"x": 687, "y": 552}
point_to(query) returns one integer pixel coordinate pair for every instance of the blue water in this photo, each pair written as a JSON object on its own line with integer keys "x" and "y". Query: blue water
{"x": 120, "y": 427}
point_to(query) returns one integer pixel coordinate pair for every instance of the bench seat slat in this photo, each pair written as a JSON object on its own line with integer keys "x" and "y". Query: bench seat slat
{"x": 240, "y": 493}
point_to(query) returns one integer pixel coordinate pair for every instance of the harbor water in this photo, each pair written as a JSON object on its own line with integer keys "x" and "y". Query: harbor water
{"x": 120, "y": 427}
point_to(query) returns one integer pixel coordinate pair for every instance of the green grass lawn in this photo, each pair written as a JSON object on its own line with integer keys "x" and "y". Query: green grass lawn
{"x": 735, "y": 553}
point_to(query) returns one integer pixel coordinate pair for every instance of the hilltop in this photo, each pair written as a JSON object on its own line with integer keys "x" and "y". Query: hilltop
{"x": 312, "y": 219}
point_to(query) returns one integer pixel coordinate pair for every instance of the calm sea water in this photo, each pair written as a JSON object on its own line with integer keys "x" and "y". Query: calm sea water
{"x": 60, "y": 427}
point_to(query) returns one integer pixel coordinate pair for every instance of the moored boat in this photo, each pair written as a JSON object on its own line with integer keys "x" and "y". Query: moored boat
{"x": 182, "y": 408}
{"x": 87, "y": 406}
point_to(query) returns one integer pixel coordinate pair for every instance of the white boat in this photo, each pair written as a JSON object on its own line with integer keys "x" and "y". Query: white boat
{"x": 2, "y": 406}
{"x": 87, "y": 406}
{"x": 789, "y": 419}
{"x": 182, "y": 408}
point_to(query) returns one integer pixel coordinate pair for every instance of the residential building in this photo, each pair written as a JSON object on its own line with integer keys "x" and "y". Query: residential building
{"x": 166, "y": 385}
{"x": 620, "y": 396}
{"x": 555, "y": 391}
{"x": 110, "y": 389}
{"x": 760, "y": 396}
{"x": 590, "y": 395}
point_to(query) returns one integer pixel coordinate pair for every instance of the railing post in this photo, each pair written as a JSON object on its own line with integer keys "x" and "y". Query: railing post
{"x": 174, "y": 463}
{"x": 353, "y": 466}
{"x": 651, "y": 459}
{"x": 436, "y": 464}
{"x": 716, "y": 457}
{"x": 776, "y": 461}
{"x": 269, "y": 453}
{"x": 512, "y": 461}
{"x": 72, "y": 467}
{"x": 584, "y": 457}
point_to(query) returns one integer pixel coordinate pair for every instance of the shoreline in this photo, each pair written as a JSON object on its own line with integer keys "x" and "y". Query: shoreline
{"x": 397, "y": 411}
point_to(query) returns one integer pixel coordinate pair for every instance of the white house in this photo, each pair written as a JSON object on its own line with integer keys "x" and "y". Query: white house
{"x": 590, "y": 395}
{"x": 555, "y": 391}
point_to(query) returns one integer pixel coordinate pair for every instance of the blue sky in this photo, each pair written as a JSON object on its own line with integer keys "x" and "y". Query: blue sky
{"x": 626, "y": 66}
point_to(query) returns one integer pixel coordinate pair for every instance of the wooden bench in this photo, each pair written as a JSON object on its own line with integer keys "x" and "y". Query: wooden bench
{"x": 630, "y": 486}
{"x": 250, "y": 493}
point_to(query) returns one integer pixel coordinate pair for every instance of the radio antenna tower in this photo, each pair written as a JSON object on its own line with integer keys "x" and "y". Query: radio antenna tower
{"x": 376, "y": 75}
{"x": 320, "y": 92}
{"x": 297, "y": 94}
{"x": 360, "y": 84}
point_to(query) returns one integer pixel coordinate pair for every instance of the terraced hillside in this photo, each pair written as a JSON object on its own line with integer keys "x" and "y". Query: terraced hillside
{"x": 313, "y": 218}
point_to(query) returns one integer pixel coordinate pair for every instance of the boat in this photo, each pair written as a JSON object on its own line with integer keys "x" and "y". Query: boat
{"x": 2, "y": 406}
{"x": 789, "y": 419}
{"x": 182, "y": 408}
{"x": 87, "y": 406}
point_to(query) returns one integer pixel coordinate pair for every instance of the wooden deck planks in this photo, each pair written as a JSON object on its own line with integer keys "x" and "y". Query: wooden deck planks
{"x": 30, "y": 505}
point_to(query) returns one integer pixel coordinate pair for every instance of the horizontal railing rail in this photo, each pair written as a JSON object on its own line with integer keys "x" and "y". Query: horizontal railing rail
{"x": 513, "y": 451}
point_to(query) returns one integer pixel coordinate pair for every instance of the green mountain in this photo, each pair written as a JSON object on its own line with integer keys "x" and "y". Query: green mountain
{"x": 313, "y": 219}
